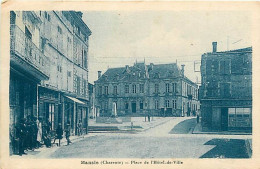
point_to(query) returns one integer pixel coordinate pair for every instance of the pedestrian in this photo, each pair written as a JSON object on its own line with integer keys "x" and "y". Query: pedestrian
{"x": 67, "y": 131}
{"x": 198, "y": 118}
{"x": 46, "y": 135}
{"x": 20, "y": 133}
{"x": 59, "y": 133}
{"x": 79, "y": 126}
{"x": 149, "y": 118}
{"x": 47, "y": 139}
{"x": 39, "y": 132}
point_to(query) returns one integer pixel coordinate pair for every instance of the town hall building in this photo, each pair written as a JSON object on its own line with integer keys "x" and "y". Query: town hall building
{"x": 140, "y": 90}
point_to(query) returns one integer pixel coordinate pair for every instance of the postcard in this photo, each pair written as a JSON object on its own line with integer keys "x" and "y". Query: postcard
{"x": 129, "y": 84}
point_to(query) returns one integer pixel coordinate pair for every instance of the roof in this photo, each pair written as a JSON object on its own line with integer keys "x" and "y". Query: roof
{"x": 141, "y": 71}
{"x": 247, "y": 49}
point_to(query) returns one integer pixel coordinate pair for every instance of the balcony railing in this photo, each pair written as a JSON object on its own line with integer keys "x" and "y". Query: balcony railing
{"x": 22, "y": 46}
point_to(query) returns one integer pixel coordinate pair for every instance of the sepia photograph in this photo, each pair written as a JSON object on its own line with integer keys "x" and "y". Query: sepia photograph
{"x": 152, "y": 86}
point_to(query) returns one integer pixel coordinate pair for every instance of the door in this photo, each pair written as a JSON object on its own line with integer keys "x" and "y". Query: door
{"x": 169, "y": 112}
{"x": 224, "y": 119}
{"x": 133, "y": 107}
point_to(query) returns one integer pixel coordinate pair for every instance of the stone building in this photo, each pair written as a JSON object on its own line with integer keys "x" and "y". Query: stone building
{"x": 49, "y": 67}
{"x": 226, "y": 90}
{"x": 139, "y": 90}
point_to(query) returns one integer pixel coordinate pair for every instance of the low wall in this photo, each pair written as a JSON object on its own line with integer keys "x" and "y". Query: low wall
{"x": 112, "y": 120}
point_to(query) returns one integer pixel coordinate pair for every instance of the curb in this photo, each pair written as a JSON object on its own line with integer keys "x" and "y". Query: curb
{"x": 248, "y": 147}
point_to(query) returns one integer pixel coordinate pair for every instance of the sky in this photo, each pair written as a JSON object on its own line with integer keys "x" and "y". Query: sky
{"x": 121, "y": 38}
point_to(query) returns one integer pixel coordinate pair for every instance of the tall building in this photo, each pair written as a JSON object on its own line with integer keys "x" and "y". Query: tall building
{"x": 226, "y": 90}
{"x": 49, "y": 67}
{"x": 138, "y": 90}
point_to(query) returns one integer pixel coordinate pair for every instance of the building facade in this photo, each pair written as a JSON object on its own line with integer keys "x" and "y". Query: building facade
{"x": 226, "y": 90}
{"x": 49, "y": 67}
{"x": 139, "y": 90}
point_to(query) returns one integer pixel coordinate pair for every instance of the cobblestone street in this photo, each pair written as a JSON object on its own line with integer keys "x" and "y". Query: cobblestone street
{"x": 155, "y": 142}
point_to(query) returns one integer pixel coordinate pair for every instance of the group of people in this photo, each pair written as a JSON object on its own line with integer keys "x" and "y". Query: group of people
{"x": 31, "y": 133}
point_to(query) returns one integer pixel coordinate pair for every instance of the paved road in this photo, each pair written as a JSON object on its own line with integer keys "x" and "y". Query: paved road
{"x": 184, "y": 127}
{"x": 156, "y": 143}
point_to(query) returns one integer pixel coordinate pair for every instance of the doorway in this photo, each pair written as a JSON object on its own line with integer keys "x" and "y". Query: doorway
{"x": 224, "y": 119}
{"x": 133, "y": 107}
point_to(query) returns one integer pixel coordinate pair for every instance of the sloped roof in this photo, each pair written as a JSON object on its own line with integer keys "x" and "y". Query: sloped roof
{"x": 141, "y": 71}
{"x": 164, "y": 71}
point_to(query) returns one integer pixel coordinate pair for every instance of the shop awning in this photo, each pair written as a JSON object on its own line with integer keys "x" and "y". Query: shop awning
{"x": 75, "y": 100}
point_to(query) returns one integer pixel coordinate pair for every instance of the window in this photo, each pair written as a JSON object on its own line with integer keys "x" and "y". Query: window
{"x": 184, "y": 89}
{"x": 100, "y": 90}
{"x": 69, "y": 40}
{"x": 141, "y": 105}
{"x": 187, "y": 89}
{"x": 115, "y": 90}
{"x": 28, "y": 33}
{"x": 126, "y": 106}
{"x": 126, "y": 88}
{"x": 208, "y": 66}
{"x": 51, "y": 115}
{"x": 214, "y": 67}
{"x": 225, "y": 67}
{"x": 69, "y": 73}
{"x": 59, "y": 30}
{"x": 141, "y": 88}
{"x": 167, "y": 103}
{"x": 156, "y": 104}
{"x": 156, "y": 88}
{"x": 239, "y": 117}
{"x": 167, "y": 87}
{"x": 42, "y": 44}
{"x": 106, "y": 105}
{"x": 174, "y": 104}
{"x": 84, "y": 87}
{"x": 78, "y": 28}
{"x": 174, "y": 89}
{"x": 85, "y": 59}
{"x": 134, "y": 88}
{"x": 47, "y": 16}
{"x": 106, "y": 90}
{"x": 78, "y": 85}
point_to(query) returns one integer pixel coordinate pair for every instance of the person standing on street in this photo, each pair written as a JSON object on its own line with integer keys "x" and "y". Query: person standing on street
{"x": 67, "y": 131}
{"x": 59, "y": 133}
{"x": 20, "y": 131}
{"x": 39, "y": 133}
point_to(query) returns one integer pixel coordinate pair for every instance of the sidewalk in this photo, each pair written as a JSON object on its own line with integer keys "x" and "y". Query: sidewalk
{"x": 44, "y": 152}
{"x": 198, "y": 130}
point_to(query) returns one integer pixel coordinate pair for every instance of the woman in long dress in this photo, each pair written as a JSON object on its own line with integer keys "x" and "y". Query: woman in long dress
{"x": 39, "y": 134}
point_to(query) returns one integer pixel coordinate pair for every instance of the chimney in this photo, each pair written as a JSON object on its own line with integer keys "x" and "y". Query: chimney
{"x": 151, "y": 66}
{"x": 214, "y": 45}
{"x": 182, "y": 70}
{"x": 99, "y": 74}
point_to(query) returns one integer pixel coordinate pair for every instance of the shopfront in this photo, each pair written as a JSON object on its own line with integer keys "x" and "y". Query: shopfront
{"x": 50, "y": 107}
{"x": 239, "y": 118}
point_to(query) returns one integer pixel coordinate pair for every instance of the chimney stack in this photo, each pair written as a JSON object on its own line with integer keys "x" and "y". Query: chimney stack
{"x": 182, "y": 70}
{"x": 99, "y": 74}
{"x": 214, "y": 45}
{"x": 151, "y": 66}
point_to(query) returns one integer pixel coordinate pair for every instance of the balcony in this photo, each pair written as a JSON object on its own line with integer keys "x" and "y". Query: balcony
{"x": 26, "y": 56}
